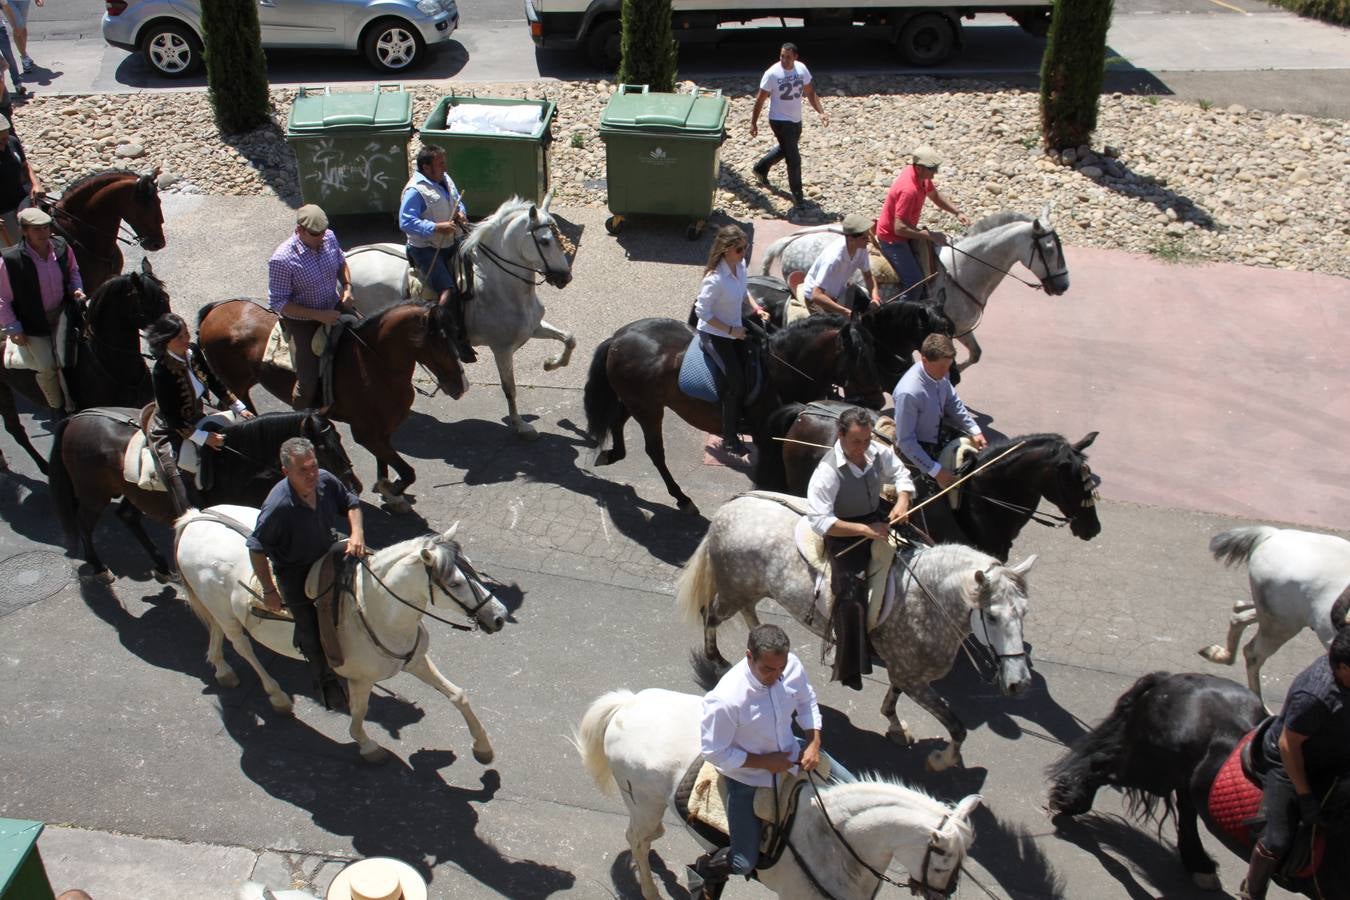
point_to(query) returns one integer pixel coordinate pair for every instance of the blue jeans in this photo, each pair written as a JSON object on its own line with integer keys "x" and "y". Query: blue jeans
{"x": 8, "y": 54}
{"x": 901, "y": 257}
{"x": 434, "y": 264}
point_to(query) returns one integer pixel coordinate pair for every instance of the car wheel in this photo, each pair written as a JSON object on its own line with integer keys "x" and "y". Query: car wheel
{"x": 603, "y": 44}
{"x": 392, "y": 45}
{"x": 172, "y": 50}
{"x": 927, "y": 39}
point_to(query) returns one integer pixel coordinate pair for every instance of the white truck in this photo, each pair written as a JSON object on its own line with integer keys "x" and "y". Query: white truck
{"x": 924, "y": 33}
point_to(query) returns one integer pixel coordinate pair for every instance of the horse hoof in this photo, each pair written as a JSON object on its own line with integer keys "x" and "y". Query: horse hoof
{"x": 281, "y": 704}
{"x": 688, "y": 507}
{"x": 1206, "y": 881}
{"x": 165, "y": 577}
{"x": 602, "y": 458}
{"x": 378, "y": 756}
{"x": 1216, "y": 654}
{"x": 397, "y": 505}
{"x": 551, "y": 364}
{"x": 942, "y": 760}
{"x": 484, "y": 756}
{"x": 901, "y": 736}
{"x": 228, "y": 679}
{"x": 526, "y": 432}
{"x": 103, "y": 576}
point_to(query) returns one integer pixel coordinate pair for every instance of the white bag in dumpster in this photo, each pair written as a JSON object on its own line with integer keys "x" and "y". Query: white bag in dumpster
{"x": 480, "y": 119}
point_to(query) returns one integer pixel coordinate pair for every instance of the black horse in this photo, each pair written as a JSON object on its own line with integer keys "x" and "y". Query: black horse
{"x": 636, "y": 372}
{"x": 85, "y": 472}
{"x": 109, "y": 369}
{"x": 995, "y": 504}
{"x": 1163, "y": 744}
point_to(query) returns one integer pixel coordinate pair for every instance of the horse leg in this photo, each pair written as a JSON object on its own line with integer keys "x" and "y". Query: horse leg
{"x": 656, "y": 452}
{"x": 935, "y": 706}
{"x": 644, "y": 827}
{"x": 424, "y": 669}
{"x": 1197, "y": 862}
{"x": 132, "y": 517}
{"x": 506, "y": 370}
{"x": 972, "y": 350}
{"x": 243, "y": 645}
{"x": 385, "y": 454}
{"x": 617, "y": 448}
{"x": 545, "y": 330}
{"x": 358, "y": 701}
{"x": 751, "y": 617}
{"x": 1270, "y": 637}
{"x": 86, "y": 517}
{"x": 899, "y": 731}
{"x": 14, "y": 425}
{"x": 1244, "y": 614}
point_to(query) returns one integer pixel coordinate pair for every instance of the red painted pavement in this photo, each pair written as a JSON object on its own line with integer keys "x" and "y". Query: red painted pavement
{"x": 1215, "y": 387}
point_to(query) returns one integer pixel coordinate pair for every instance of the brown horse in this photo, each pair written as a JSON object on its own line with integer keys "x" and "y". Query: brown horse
{"x": 636, "y": 374}
{"x": 86, "y": 472}
{"x": 372, "y": 373}
{"x": 90, "y": 214}
{"x": 108, "y": 369}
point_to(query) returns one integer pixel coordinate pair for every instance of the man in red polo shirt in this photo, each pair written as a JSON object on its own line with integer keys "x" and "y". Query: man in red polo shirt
{"x": 898, "y": 231}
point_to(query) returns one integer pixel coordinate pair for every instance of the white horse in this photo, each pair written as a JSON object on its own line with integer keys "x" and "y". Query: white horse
{"x": 645, "y": 743}
{"x": 380, "y": 629}
{"x": 971, "y": 268}
{"x": 509, "y": 250}
{"x": 749, "y": 554}
{"x": 1296, "y": 578}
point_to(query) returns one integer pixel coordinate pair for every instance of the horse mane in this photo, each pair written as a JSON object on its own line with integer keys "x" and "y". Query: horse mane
{"x": 262, "y": 436}
{"x": 403, "y": 549}
{"x": 917, "y": 806}
{"x": 1031, "y": 441}
{"x": 805, "y": 330}
{"x": 495, "y": 222}
{"x": 372, "y": 323}
{"x": 997, "y": 220}
{"x": 85, "y": 181}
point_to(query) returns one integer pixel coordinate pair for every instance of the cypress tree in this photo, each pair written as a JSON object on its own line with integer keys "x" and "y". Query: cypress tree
{"x": 1072, "y": 72}
{"x": 649, "y": 53}
{"x": 236, "y": 72}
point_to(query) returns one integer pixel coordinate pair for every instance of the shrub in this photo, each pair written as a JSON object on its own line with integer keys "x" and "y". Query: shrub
{"x": 1072, "y": 72}
{"x": 1335, "y": 11}
{"x": 649, "y": 53}
{"x": 236, "y": 72}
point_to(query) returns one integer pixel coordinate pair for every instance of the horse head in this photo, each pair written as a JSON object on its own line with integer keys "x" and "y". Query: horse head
{"x": 856, "y": 367}
{"x": 328, "y": 450}
{"x": 549, "y": 243}
{"x": 450, "y": 571}
{"x": 939, "y": 872}
{"x": 997, "y": 597}
{"x": 1076, "y": 490}
{"x": 145, "y": 215}
{"x": 522, "y": 240}
{"x": 438, "y": 354}
{"x": 1046, "y": 257}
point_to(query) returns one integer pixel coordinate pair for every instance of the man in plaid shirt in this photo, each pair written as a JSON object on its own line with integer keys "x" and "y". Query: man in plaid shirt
{"x": 303, "y": 277}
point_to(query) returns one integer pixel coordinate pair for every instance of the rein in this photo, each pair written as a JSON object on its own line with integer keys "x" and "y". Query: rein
{"x": 501, "y": 262}
{"x": 1007, "y": 273}
{"x": 432, "y": 583}
{"x": 989, "y": 664}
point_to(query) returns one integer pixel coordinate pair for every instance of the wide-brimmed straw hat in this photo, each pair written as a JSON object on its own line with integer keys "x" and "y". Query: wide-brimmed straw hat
{"x": 378, "y": 878}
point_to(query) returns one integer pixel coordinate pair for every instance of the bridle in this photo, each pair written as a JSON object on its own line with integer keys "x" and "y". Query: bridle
{"x": 126, "y": 234}
{"x": 322, "y": 439}
{"x": 1040, "y": 240}
{"x": 522, "y": 271}
{"x": 1050, "y": 519}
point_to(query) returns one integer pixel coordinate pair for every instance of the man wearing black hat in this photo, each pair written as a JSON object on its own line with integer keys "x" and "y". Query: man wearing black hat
{"x": 829, "y": 275}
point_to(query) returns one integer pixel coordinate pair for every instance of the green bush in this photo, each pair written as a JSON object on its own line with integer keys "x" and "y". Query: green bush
{"x": 236, "y": 72}
{"x": 649, "y": 53}
{"x": 1072, "y": 72}
{"x": 1334, "y": 11}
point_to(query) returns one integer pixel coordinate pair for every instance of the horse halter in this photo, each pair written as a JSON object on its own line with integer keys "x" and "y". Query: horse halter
{"x": 481, "y": 595}
{"x": 547, "y": 274}
{"x": 1040, "y": 241}
{"x": 921, "y": 887}
{"x": 335, "y": 448}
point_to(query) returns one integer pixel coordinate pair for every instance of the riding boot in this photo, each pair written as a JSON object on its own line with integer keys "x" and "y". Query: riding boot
{"x": 173, "y": 479}
{"x": 460, "y": 338}
{"x": 1259, "y": 871}
{"x": 712, "y": 871}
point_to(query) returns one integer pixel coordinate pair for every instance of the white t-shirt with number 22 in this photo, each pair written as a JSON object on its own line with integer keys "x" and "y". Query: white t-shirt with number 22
{"x": 785, "y": 87}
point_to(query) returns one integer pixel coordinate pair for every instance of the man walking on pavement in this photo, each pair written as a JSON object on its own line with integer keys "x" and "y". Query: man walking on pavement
{"x": 783, "y": 85}
{"x": 903, "y": 243}
{"x": 17, "y": 12}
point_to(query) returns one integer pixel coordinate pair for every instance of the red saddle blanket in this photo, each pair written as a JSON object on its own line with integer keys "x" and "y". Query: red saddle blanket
{"x": 1235, "y": 802}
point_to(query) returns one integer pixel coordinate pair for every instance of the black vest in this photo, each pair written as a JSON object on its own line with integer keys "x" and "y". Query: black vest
{"x": 23, "y": 283}
{"x": 14, "y": 184}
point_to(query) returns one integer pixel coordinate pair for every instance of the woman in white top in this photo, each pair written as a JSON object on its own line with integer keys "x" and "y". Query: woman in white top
{"x": 721, "y": 297}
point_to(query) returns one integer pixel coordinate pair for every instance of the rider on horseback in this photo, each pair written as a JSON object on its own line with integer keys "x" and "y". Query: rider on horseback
{"x": 295, "y": 528}
{"x": 39, "y": 283}
{"x": 925, "y": 401}
{"x": 829, "y": 275}
{"x": 181, "y": 379}
{"x": 302, "y": 279}
{"x": 432, "y": 215}
{"x": 746, "y": 733}
{"x": 844, "y": 499}
{"x": 1306, "y": 747}
{"x": 903, "y": 243}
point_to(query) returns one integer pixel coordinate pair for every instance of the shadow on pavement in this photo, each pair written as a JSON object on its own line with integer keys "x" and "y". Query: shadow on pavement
{"x": 403, "y": 809}
{"x": 1125, "y": 850}
{"x": 1012, "y": 855}
{"x": 624, "y": 876}
{"x": 867, "y": 751}
{"x": 977, "y": 703}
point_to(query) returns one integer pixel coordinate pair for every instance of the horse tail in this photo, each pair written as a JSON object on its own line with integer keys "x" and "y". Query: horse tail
{"x": 697, "y": 584}
{"x": 589, "y": 736}
{"x": 1237, "y": 544}
{"x": 601, "y": 403}
{"x": 1095, "y": 758}
{"x": 770, "y": 471}
{"x": 62, "y": 487}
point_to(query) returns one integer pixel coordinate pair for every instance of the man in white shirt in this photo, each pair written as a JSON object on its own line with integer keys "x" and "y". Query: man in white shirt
{"x": 746, "y": 734}
{"x": 783, "y": 85}
{"x": 844, "y": 506}
{"x": 829, "y": 275}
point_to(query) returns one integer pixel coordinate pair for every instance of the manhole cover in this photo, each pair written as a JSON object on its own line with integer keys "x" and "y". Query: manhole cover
{"x": 31, "y": 576}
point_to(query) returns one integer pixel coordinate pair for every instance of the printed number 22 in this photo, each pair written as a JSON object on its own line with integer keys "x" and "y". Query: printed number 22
{"x": 790, "y": 88}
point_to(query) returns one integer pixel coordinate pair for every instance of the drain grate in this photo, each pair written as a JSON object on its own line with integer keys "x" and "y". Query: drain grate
{"x": 31, "y": 576}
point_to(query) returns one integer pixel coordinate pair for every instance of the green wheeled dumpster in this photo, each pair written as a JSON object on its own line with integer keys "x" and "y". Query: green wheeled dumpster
{"x": 22, "y": 875}
{"x": 661, "y": 154}
{"x": 351, "y": 148}
{"x": 495, "y": 148}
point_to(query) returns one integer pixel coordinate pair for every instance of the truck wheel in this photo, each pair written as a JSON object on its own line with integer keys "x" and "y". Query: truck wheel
{"x": 927, "y": 39}
{"x": 1035, "y": 22}
{"x": 602, "y": 44}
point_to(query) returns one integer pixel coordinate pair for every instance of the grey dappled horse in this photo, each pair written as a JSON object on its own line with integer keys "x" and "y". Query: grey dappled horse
{"x": 749, "y": 554}
{"x": 508, "y": 250}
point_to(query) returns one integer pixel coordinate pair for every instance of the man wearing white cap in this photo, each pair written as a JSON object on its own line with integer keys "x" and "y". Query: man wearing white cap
{"x": 903, "y": 242}
{"x": 829, "y": 275}
{"x": 303, "y": 277}
{"x": 39, "y": 281}
{"x": 19, "y": 184}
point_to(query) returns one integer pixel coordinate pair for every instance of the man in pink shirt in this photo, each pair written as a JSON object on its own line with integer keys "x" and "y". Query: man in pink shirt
{"x": 39, "y": 280}
{"x": 902, "y": 240}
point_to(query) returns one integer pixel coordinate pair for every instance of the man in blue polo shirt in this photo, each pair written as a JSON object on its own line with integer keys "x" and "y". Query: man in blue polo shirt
{"x": 295, "y": 527}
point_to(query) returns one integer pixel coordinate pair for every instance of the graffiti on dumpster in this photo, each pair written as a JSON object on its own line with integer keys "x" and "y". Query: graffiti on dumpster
{"x": 345, "y": 170}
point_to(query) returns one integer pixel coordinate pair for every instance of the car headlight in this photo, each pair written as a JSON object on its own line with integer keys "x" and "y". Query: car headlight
{"x": 428, "y": 7}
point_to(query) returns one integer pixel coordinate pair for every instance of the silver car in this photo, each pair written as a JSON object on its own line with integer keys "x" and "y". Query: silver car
{"x": 393, "y": 34}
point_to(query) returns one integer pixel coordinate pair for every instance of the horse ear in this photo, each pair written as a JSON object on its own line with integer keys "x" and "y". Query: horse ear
{"x": 145, "y": 266}
{"x": 967, "y": 807}
{"x": 1025, "y": 565}
{"x": 548, "y": 198}
{"x": 534, "y": 213}
{"x": 1086, "y": 442}
{"x": 427, "y": 558}
{"x": 1044, "y": 218}
{"x": 450, "y": 535}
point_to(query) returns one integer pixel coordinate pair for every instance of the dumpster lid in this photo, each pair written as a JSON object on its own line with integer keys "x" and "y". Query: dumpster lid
{"x": 634, "y": 107}
{"x": 317, "y": 109}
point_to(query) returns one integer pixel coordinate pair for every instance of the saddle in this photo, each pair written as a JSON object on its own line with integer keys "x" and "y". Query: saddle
{"x": 138, "y": 459}
{"x": 331, "y": 575}
{"x": 701, "y": 798}
{"x": 419, "y": 289}
{"x": 701, "y": 369}
{"x": 327, "y": 340}
{"x": 954, "y": 457}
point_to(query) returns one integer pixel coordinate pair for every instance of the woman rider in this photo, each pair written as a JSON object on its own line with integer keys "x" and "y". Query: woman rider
{"x": 181, "y": 379}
